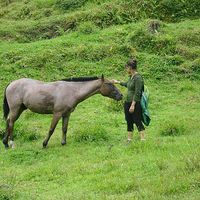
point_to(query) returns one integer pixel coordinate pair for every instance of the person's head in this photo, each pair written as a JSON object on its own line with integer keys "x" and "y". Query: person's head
{"x": 131, "y": 66}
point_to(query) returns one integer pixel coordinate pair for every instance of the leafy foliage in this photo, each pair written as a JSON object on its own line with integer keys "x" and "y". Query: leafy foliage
{"x": 70, "y": 4}
{"x": 95, "y": 133}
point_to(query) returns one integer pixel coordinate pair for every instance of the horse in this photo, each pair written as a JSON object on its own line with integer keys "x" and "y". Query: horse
{"x": 59, "y": 98}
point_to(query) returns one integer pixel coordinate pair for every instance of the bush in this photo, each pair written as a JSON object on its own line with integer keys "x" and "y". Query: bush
{"x": 87, "y": 28}
{"x": 115, "y": 106}
{"x": 24, "y": 13}
{"x": 6, "y": 194}
{"x": 190, "y": 37}
{"x": 166, "y": 10}
{"x": 93, "y": 133}
{"x": 2, "y": 132}
{"x": 172, "y": 128}
{"x": 174, "y": 60}
{"x": 173, "y": 10}
{"x": 144, "y": 40}
{"x": 5, "y": 2}
{"x": 70, "y": 4}
{"x": 25, "y": 135}
{"x": 187, "y": 86}
{"x": 190, "y": 69}
{"x": 187, "y": 53}
{"x": 192, "y": 163}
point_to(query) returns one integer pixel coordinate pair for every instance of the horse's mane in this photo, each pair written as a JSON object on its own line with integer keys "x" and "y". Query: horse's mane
{"x": 80, "y": 79}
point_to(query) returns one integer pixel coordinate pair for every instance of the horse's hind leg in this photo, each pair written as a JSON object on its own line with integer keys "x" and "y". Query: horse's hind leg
{"x": 56, "y": 118}
{"x": 13, "y": 116}
{"x": 5, "y": 139}
{"x": 9, "y": 130}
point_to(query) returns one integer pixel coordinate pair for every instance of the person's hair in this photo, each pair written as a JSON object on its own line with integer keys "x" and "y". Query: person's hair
{"x": 132, "y": 63}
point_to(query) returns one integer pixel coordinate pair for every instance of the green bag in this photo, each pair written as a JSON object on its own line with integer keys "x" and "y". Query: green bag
{"x": 144, "y": 104}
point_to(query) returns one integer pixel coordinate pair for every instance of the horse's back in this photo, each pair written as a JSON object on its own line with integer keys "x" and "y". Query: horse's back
{"x": 16, "y": 89}
{"x": 23, "y": 81}
{"x": 42, "y": 97}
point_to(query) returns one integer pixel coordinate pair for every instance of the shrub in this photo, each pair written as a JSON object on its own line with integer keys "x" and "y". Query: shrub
{"x": 31, "y": 137}
{"x": 192, "y": 163}
{"x": 70, "y": 4}
{"x": 87, "y": 28}
{"x": 195, "y": 66}
{"x": 5, "y": 2}
{"x": 174, "y": 60}
{"x": 167, "y": 10}
{"x": 172, "y": 127}
{"x": 24, "y": 13}
{"x": 187, "y": 53}
{"x": 186, "y": 87}
{"x": 6, "y": 194}
{"x": 190, "y": 69}
{"x": 144, "y": 40}
{"x": 93, "y": 133}
{"x": 10, "y": 57}
{"x": 173, "y": 10}
{"x": 115, "y": 106}
{"x": 2, "y": 132}
{"x": 107, "y": 14}
{"x": 190, "y": 37}
{"x": 25, "y": 135}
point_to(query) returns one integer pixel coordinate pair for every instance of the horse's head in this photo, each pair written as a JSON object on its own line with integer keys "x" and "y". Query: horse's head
{"x": 109, "y": 90}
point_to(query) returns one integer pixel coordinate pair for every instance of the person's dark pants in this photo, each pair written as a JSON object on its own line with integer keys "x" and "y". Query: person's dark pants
{"x": 133, "y": 118}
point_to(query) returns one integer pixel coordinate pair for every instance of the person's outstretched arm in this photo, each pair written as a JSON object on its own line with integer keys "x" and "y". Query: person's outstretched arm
{"x": 119, "y": 82}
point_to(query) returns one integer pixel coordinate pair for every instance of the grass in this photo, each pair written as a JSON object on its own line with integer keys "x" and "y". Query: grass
{"x": 96, "y": 163}
{"x": 50, "y": 41}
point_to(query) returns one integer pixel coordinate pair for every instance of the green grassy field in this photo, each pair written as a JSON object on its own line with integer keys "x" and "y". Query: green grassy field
{"x": 55, "y": 39}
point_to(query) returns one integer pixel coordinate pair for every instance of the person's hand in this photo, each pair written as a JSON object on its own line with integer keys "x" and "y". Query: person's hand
{"x": 132, "y": 108}
{"x": 114, "y": 81}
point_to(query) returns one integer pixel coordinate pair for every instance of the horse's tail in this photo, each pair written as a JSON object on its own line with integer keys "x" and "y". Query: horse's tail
{"x": 6, "y": 108}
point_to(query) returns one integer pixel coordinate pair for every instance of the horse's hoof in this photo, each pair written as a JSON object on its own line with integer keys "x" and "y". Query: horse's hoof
{"x": 63, "y": 143}
{"x": 12, "y": 145}
{"x": 5, "y": 144}
{"x": 44, "y": 145}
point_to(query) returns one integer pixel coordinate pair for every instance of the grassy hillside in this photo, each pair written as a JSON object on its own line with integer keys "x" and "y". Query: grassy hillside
{"x": 54, "y": 39}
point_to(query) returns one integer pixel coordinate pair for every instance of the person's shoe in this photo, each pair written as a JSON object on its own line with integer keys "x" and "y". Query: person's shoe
{"x": 128, "y": 141}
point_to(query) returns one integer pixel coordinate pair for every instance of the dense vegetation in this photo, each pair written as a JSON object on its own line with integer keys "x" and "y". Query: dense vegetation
{"x": 54, "y": 39}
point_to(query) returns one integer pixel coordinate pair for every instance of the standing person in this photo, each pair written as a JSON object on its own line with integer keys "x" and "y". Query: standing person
{"x": 132, "y": 107}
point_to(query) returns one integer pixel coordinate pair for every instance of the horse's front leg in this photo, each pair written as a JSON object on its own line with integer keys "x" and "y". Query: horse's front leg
{"x": 56, "y": 118}
{"x": 65, "y": 120}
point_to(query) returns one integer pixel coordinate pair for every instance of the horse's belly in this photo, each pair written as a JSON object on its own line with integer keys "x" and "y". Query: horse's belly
{"x": 41, "y": 111}
{"x": 39, "y": 107}
{"x": 40, "y": 102}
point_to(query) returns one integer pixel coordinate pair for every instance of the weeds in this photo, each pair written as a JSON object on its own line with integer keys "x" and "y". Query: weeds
{"x": 173, "y": 128}
{"x": 115, "y": 106}
{"x": 192, "y": 163}
{"x": 95, "y": 133}
{"x": 87, "y": 28}
{"x": 30, "y": 135}
{"x": 70, "y": 4}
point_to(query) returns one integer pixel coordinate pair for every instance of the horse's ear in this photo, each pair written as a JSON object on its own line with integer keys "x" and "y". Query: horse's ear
{"x": 102, "y": 77}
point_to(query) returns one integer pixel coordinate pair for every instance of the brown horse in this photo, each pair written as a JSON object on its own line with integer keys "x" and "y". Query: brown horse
{"x": 59, "y": 98}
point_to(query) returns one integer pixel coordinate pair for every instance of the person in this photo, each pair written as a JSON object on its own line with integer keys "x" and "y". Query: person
{"x": 132, "y": 106}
